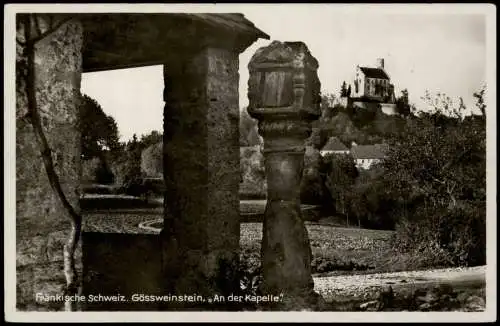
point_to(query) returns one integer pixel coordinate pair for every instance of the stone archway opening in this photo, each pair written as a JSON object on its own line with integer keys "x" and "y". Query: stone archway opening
{"x": 200, "y": 236}
{"x": 119, "y": 255}
{"x": 200, "y": 239}
{"x": 125, "y": 168}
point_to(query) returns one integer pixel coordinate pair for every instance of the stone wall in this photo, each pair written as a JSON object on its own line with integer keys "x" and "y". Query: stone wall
{"x": 121, "y": 264}
{"x": 42, "y": 224}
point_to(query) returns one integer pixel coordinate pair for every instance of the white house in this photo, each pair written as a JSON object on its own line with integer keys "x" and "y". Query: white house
{"x": 334, "y": 146}
{"x": 373, "y": 84}
{"x": 367, "y": 155}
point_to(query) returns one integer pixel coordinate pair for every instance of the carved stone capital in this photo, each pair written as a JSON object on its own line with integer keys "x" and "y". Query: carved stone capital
{"x": 284, "y": 94}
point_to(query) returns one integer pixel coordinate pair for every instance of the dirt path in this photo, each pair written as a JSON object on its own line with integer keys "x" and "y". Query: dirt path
{"x": 364, "y": 286}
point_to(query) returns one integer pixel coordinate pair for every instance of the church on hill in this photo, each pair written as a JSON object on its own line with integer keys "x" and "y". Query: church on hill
{"x": 373, "y": 83}
{"x": 372, "y": 87}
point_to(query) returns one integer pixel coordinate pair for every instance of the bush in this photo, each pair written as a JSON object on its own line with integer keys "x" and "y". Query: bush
{"x": 103, "y": 174}
{"x": 252, "y": 173}
{"x": 463, "y": 234}
{"x": 416, "y": 247}
{"x": 154, "y": 186}
{"x": 436, "y": 172}
{"x": 444, "y": 237}
{"x": 369, "y": 203}
{"x": 340, "y": 176}
{"x": 134, "y": 188}
{"x": 321, "y": 264}
{"x": 152, "y": 160}
{"x": 312, "y": 188}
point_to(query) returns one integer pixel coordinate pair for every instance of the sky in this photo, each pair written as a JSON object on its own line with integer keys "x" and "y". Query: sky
{"x": 439, "y": 51}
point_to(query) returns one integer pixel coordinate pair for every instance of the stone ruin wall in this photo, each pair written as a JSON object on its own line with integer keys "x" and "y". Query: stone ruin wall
{"x": 42, "y": 224}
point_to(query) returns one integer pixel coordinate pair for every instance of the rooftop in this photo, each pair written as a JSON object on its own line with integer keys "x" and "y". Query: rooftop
{"x": 376, "y": 151}
{"x": 374, "y": 72}
{"x": 334, "y": 144}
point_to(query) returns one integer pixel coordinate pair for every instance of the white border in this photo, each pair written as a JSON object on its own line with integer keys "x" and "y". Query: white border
{"x": 10, "y": 172}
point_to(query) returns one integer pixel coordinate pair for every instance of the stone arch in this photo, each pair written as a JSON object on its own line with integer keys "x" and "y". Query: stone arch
{"x": 203, "y": 100}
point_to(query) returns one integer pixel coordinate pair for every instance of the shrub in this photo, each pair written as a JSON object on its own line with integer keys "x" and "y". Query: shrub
{"x": 444, "y": 237}
{"x": 321, "y": 264}
{"x": 340, "y": 176}
{"x": 416, "y": 247}
{"x": 463, "y": 234}
{"x": 312, "y": 188}
{"x": 249, "y": 272}
{"x": 252, "y": 173}
{"x": 152, "y": 160}
{"x": 369, "y": 203}
{"x": 103, "y": 174}
{"x": 436, "y": 172}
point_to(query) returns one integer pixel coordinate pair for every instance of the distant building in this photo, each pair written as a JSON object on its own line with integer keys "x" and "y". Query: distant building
{"x": 367, "y": 155}
{"x": 372, "y": 86}
{"x": 334, "y": 146}
{"x": 373, "y": 83}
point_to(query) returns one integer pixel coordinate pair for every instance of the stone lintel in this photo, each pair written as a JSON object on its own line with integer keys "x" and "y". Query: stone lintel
{"x": 122, "y": 40}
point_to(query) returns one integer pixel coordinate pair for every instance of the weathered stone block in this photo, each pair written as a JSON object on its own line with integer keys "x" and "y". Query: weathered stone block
{"x": 201, "y": 164}
{"x": 121, "y": 264}
{"x": 38, "y": 210}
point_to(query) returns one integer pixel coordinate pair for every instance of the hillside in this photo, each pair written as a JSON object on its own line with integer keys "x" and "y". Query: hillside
{"x": 363, "y": 126}
{"x": 353, "y": 124}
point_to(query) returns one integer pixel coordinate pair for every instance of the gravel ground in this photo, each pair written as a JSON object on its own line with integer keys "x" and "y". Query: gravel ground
{"x": 122, "y": 222}
{"x": 332, "y": 288}
{"x": 348, "y": 286}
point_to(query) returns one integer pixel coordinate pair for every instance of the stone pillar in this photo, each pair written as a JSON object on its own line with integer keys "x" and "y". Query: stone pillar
{"x": 201, "y": 170}
{"x": 284, "y": 96}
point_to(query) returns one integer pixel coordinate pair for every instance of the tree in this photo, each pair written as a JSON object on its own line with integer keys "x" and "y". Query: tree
{"x": 341, "y": 173}
{"x": 437, "y": 168}
{"x": 99, "y": 131}
{"x": 103, "y": 174}
{"x": 327, "y": 106}
{"x": 154, "y": 137}
{"x": 133, "y": 154}
{"x": 249, "y": 135}
{"x": 99, "y": 135}
{"x": 403, "y": 106}
{"x": 152, "y": 160}
{"x": 252, "y": 171}
{"x": 317, "y": 139}
{"x": 343, "y": 89}
{"x": 130, "y": 167}
{"x": 312, "y": 187}
{"x": 479, "y": 96}
{"x": 370, "y": 202}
